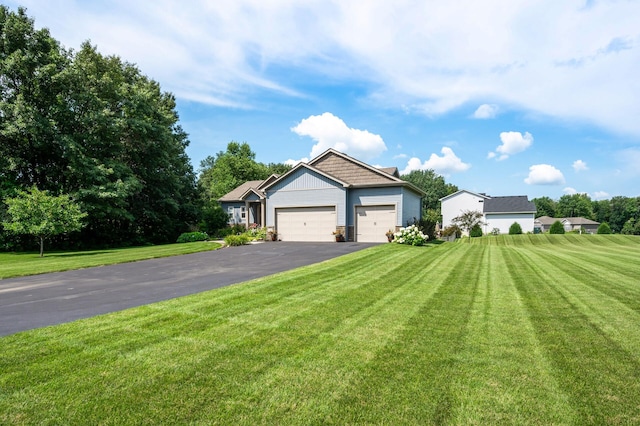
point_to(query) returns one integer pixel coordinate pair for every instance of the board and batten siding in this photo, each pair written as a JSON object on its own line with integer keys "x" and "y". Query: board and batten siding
{"x": 375, "y": 197}
{"x": 412, "y": 206}
{"x": 305, "y": 188}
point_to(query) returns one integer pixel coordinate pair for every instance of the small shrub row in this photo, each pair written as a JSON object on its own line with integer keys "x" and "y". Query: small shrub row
{"x": 189, "y": 237}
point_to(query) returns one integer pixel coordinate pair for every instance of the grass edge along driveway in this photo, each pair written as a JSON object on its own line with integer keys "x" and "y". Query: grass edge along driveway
{"x": 468, "y": 333}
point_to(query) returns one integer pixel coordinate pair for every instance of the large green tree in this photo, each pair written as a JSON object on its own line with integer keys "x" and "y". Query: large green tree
{"x": 96, "y": 128}
{"x": 576, "y": 205}
{"x": 37, "y": 213}
{"x": 435, "y": 187}
{"x": 545, "y": 206}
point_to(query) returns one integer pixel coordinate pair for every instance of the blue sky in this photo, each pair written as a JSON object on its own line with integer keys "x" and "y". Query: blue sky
{"x": 537, "y": 98}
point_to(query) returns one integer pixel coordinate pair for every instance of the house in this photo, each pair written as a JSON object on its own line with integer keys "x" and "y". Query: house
{"x": 498, "y": 212}
{"x": 543, "y": 223}
{"x": 333, "y": 193}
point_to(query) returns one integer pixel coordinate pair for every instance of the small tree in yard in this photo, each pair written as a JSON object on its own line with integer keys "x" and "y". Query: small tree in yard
{"x": 556, "y": 228}
{"x": 467, "y": 220}
{"x": 42, "y": 215}
{"x": 515, "y": 229}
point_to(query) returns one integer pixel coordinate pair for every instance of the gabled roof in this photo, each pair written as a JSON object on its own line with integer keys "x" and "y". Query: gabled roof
{"x": 485, "y": 196}
{"x": 580, "y": 221}
{"x": 238, "y": 193}
{"x": 511, "y": 204}
{"x": 546, "y": 220}
{"x": 349, "y": 172}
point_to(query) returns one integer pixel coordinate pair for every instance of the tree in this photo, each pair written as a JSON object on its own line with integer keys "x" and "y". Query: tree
{"x": 42, "y": 215}
{"x": 604, "y": 228}
{"x": 576, "y": 205}
{"x": 556, "y": 228}
{"x": 515, "y": 229}
{"x": 433, "y": 184}
{"x": 545, "y": 206}
{"x": 228, "y": 169}
{"x": 601, "y": 210}
{"x": 623, "y": 209}
{"x": 467, "y": 220}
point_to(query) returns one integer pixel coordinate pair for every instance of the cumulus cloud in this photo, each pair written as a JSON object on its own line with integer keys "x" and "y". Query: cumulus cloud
{"x": 544, "y": 174}
{"x": 512, "y": 143}
{"x": 329, "y": 131}
{"x": 444, "y": 165}
{"x": 600, "y": 195}
{"x": 486, "y": 111}
{"x": 580, "y": 166}
{"x": 570, "y": 191}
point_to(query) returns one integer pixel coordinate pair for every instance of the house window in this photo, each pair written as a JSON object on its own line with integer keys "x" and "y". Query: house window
{"x": 230, "y": 211}
{"x": 243, "y": 212}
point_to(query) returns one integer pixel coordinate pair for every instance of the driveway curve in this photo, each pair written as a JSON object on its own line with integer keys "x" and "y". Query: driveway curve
{"x": 40, "y": 300}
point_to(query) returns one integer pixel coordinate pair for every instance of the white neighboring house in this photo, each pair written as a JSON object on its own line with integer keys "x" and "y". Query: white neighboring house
{"x": 498, "y": 212}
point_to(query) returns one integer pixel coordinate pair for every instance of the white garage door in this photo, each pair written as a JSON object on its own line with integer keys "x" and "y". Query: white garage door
{"x": 373, "y": 222}
{"x": 306, "y": 223}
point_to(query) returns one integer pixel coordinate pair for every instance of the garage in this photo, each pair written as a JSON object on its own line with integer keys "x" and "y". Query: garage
{"x": 306, "y": 223}
{"x": 373, "y": 222}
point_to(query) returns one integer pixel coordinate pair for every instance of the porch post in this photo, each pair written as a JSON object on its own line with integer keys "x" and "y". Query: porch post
{"x": 247, "y": 214}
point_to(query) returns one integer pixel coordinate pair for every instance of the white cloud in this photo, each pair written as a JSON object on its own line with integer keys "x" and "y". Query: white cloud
{"x": 570, "y": 191}
{"x": 579, "y": 166}
{"x": 544, "y": 174}
{"x": 486, "y": 111}
{"x": 330, "y": 131}
{"x": 430, "y": 56}
{"x": 601, "y": 195}
{"x": 293, "y": 163}
{"x": 512, "y": 143}
{"x": 444, "y": 165}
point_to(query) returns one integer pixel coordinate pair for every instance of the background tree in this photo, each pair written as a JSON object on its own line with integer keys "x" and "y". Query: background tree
{"x": 576, "y": 205}
{"x": 93, "y": 127}
{"x": 515, "y": 229}
{"x": 42, "y": 215}
{"x": 435, "y": 187}
{"x": 467, "y": 220}
{"x": 623, "y": 209}
{"x": 556, "y": 228}
{"x": 545, "y": 206}
{"x": 601, "y": 210}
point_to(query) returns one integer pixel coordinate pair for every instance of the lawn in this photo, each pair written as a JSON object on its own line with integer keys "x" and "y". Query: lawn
{"x": 21, "y": 264}
{"x": 501, "y": 330}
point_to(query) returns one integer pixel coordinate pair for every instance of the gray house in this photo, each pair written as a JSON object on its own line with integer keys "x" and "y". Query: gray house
{"x": 543, "y": 223}
{"x": 333, "y": 193}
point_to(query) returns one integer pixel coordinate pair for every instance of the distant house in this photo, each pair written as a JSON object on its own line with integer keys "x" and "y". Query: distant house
{"x": 543, "y": 223}
{"x": 498, "y": 212}
{"x": 333, "y": 193}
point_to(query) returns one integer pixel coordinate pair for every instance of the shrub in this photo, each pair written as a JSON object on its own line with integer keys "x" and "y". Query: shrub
{"x": 515, "y": 229}
{"x": 452, "y": 230}
{"x": 476, "y": 231}
{"x": 237, "y": 240}
{"x": 604, "y": 228}
{"x": 410, "y": 235}
{"x": 556, "y": 228}
{"x": 495, "y": 231}
{"x": 189, "y": 237}
{"x": 256, "y": 233}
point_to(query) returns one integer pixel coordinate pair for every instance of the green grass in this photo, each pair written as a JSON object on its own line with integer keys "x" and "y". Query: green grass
{"x": 505, "y": 331}
{"x": 21, "y": 264}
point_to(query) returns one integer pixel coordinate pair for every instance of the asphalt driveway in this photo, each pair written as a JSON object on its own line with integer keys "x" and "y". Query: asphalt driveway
{"x": 41, "y": 300}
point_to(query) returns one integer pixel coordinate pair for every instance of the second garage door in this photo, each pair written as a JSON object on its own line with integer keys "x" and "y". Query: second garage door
{"x": 373, "y": 222}
{"x": 306, "y": 223}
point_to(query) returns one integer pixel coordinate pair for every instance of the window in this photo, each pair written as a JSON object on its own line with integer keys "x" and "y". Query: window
{"x": 230, "y": 211}
{"x": 243, "y": 212}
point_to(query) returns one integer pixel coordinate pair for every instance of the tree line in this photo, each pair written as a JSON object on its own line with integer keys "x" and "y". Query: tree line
{"x": 622, "y": 214}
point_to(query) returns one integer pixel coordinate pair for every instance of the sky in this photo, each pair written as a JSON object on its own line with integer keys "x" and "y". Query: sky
{"x": 536, "y": 98}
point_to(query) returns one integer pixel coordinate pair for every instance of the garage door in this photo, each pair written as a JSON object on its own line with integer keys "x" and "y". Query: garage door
{"x": 306, "y": 223}
{"x": 373, "y": 222}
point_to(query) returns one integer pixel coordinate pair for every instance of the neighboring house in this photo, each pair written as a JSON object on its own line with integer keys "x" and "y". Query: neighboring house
{"x": 498, "y": 212}
{"x": 246, "y": 203}
{"x": 331, "y": 193}
{"x": 543, "y": 223}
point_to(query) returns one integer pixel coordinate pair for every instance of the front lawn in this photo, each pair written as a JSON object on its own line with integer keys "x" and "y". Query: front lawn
{"x": 21, "y": 264}
{"x": 504, "y": 331}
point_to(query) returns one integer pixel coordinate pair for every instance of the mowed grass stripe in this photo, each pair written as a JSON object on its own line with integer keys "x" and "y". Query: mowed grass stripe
{"x": 598, "y": 373}
{"x": 503, "y": 375}
{"x": 410, "y": 380}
